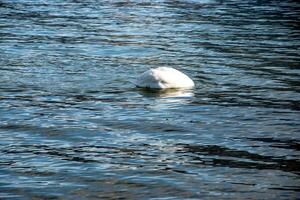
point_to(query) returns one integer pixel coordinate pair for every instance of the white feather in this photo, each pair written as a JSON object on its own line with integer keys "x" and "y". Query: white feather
{"x": 163, "y": 78}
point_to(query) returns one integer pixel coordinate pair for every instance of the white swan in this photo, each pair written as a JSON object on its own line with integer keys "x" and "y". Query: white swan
{"x": 164, "y": 78}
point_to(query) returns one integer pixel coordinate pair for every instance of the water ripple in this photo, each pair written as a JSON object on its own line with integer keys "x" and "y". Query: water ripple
{"x": 73, "y": 125}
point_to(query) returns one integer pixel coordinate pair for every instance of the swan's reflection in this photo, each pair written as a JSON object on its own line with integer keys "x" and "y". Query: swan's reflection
{"x": 168, "y": 95}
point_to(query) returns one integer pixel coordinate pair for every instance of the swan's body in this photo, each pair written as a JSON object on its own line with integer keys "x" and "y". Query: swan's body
{"x": 164, "y": 78}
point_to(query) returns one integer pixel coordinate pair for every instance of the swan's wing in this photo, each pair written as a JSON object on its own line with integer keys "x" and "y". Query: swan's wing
{"x": 164, "y": 77}
{"x": 148, "y": 79}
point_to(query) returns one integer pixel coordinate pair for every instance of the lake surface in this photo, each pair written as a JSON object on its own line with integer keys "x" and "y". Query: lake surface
{"x": 73, "y": 125}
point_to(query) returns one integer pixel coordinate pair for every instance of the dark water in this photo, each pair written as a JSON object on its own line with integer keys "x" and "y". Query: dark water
{"x": 73, "y": 126}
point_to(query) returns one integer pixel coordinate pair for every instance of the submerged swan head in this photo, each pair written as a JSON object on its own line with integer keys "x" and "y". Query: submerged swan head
{"x": 164, "y": 78}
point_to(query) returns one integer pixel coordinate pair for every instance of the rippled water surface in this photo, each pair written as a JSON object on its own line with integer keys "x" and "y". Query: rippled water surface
{"x": 73, "y": 125}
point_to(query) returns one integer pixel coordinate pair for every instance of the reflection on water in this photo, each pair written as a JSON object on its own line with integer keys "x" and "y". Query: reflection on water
{"x": 72, "y": 124}
{"x": 166, "y": 93}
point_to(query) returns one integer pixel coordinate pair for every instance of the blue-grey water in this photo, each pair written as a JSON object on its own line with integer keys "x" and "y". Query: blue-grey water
{"x": 73, "y": 125}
